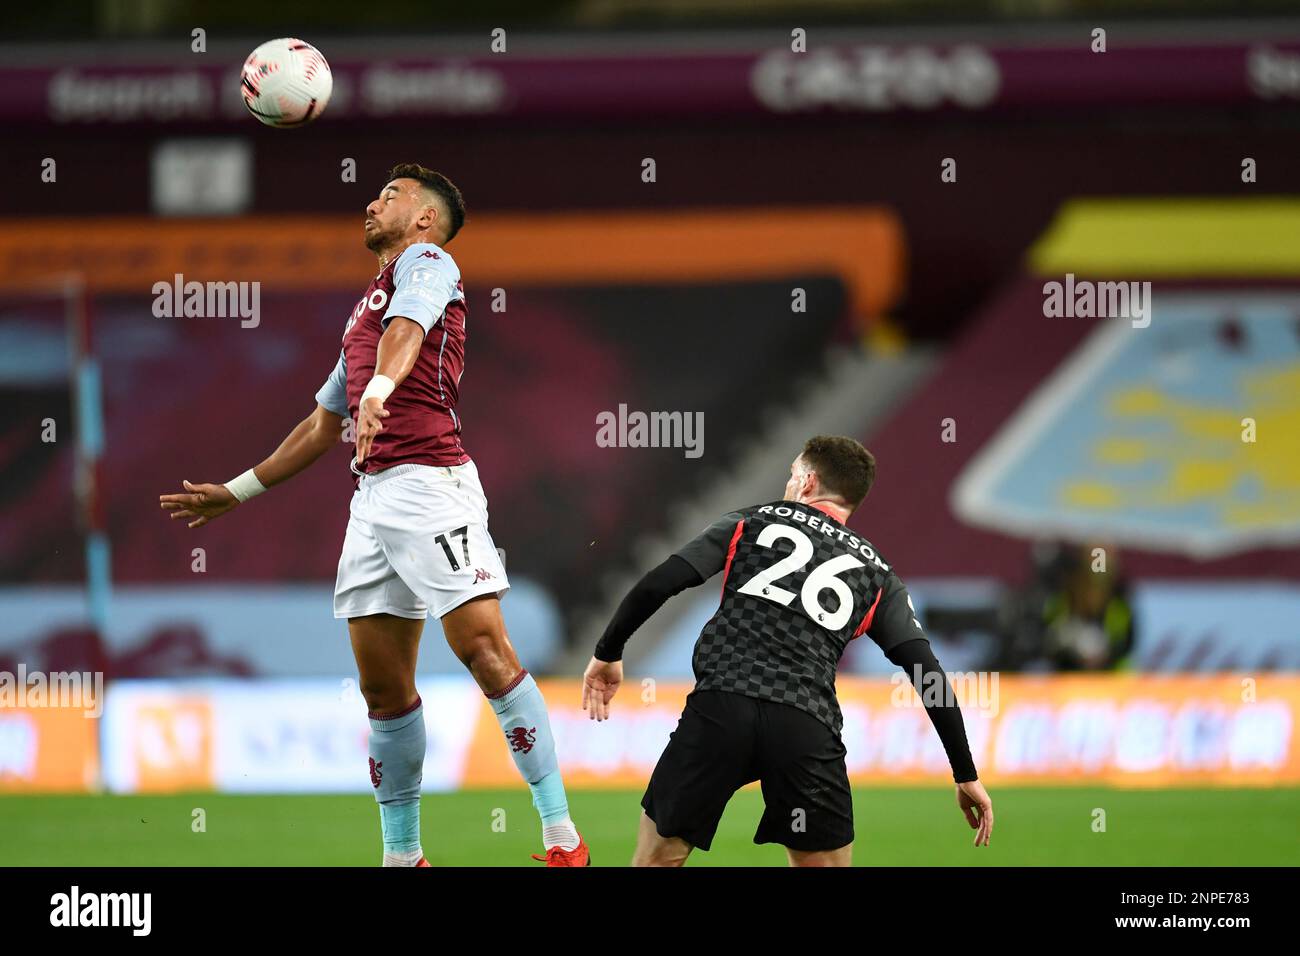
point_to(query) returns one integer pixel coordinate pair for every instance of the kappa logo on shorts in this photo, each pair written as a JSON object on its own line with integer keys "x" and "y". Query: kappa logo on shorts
{"x": 481, "y": 575}
{"x": 376, "y": 773}
{"x": 521, "y": 740}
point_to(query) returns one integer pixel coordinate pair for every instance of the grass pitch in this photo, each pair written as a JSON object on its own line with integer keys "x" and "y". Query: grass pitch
{"x": 895, "y": 827}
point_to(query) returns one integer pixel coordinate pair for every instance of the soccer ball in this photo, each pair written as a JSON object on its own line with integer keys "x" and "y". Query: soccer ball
{"x": 286, "y": 83}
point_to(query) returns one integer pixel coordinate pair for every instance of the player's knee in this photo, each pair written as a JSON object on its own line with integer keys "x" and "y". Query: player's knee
{"x": 387, "y": 696}
{"x": 655, "y": 850}
{"x": 841, "y": 857}
{"x": 488, "y": 658}
{"x": 665, "y": 854}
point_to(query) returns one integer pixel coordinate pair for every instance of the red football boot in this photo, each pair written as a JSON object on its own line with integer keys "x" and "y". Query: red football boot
{"x": 576, "y": 857}
{"x": 424, "y": 862}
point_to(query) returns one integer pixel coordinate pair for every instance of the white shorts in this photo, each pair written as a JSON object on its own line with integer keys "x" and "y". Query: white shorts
{"x": 417, "y": 543}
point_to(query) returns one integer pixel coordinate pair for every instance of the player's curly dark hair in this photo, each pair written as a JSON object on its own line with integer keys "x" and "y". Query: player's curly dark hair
{"x": 439, "y": 184}
{"x": 843, "y": 466}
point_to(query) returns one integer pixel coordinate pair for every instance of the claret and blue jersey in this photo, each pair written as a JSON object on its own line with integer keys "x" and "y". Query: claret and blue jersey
{"x": 422, "y": 284}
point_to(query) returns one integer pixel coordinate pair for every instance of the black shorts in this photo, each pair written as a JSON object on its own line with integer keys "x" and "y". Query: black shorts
{"x": 726, "y": 740}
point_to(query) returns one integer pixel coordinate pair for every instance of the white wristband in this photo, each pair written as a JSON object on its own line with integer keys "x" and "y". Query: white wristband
{"x": 245, "y": 486}
{"x": 380, "y": 387}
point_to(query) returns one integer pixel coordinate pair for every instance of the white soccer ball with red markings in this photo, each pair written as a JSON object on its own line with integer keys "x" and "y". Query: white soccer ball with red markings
{"x": 286, "y": 83}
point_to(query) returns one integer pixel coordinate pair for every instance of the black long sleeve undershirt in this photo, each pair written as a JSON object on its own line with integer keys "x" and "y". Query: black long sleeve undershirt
{"x": 649, "y": 594}
{"x": 676, "y": 575}
{"x": 944, "y": 713}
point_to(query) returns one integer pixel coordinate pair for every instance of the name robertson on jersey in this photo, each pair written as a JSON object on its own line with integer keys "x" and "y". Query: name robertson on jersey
{"x": 827, "y": 527}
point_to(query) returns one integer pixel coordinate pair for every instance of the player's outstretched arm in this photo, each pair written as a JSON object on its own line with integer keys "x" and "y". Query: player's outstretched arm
{"x": 917, "y": 659}
{"x": 312, "y": 437}
{"x": 895, "y": 629}
{"x": 605, "y": 672}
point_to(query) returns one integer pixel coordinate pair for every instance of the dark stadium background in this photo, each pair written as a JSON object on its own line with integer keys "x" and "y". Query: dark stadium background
{"x": 928, "y": 309}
